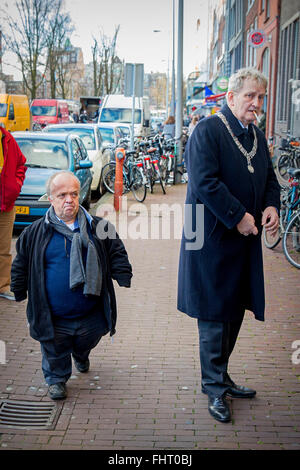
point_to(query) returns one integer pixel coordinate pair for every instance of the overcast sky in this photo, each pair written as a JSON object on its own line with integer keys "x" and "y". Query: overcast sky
{"x": 136, "y": 40}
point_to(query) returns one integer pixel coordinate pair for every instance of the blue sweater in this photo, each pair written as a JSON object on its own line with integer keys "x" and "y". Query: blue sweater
{"x": 64, "y": 301}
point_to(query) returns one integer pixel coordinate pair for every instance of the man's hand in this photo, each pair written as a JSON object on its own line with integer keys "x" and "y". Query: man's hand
{"x": 247, "y": 225}
{"x": 270, "y": 220}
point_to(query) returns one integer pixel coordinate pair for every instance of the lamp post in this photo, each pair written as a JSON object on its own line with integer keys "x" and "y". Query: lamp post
{"x": 172, "y": 106}
{"x": 167, "y": 92}
{"x": 179, "y": 104}
{"x": 172, "y": 112}
{"x": 167, "y": 87}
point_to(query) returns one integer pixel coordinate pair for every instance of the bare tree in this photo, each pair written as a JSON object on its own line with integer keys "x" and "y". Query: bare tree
{"x": 107, "y": 70}
{"x": 97, "y": 68}
{"x": 59, "y": 28}
{"x": 32, "y": 37}
{"x": 64, "y": 77}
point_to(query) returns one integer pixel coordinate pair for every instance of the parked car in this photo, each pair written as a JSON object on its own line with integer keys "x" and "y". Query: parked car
{"x": 118, "y": 109}
{"x": 157, "y": 124}
{"x": 49, "y": 111}
{"x": 14, "y": 112}
{"x": 126, "y": 130}
{"x": 46, "y": 154}
{"x": 111, "y": 134}
{"x": 92, "y": 139}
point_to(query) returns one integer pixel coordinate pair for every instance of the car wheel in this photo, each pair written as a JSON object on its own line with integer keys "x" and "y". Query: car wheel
{"x": 102, "y": 188}
{"x": 87, "y": 202}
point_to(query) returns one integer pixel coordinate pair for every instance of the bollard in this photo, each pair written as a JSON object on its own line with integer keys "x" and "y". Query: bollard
{"x": 120, "y": 157}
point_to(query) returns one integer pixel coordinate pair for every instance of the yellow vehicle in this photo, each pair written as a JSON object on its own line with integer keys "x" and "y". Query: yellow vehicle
{"x": 14, "y": 112}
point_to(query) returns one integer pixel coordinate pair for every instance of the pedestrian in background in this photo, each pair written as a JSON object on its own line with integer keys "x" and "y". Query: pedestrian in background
{"x": 231, "y": 174}
{"x": 193, "y": 124}
{"x": 12, "y": 175}
{"x": 66, "y": 267}
{"x": 169, "y": 128}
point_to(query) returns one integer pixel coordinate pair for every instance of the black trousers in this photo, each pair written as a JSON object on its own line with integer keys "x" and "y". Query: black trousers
{"x": 216, "y": 343}
{"x": 73, "y": 337}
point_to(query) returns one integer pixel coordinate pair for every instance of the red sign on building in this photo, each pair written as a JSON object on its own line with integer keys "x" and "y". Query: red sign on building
{"x": 256, "y": 38}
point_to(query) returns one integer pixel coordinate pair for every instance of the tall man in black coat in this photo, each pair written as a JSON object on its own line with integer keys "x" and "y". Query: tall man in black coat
{"x": 65, "y": 263}
{"x": 230, "y": 173}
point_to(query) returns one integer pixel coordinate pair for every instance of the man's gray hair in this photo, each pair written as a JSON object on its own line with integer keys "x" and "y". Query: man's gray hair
{"x": 236, "y": 81}
{"x": 54, "y": 175}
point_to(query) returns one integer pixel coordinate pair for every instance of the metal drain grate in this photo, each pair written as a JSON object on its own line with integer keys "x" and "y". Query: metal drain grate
{"x": 28, "y": 415}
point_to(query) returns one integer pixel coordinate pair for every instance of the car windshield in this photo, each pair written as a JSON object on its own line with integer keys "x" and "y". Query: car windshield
{"x": 125, "y": 131}
{"x": 3, "y": 110}
{"x": 107, "y": 135}
{"x": 42, "y": 153}
{"x": 43, "y": 110}
{"x": 87, "y": 135}
{"x": 120, "y": 115}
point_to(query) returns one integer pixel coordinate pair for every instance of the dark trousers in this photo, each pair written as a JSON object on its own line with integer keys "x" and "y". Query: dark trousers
{"x": 216, "y": 343}
{"x": 73, "y": 337}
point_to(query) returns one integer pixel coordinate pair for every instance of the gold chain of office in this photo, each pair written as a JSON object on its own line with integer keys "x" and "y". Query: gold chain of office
{"x": 248, "y": 155}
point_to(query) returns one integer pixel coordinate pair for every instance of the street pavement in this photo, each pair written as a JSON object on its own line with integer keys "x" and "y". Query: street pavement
{"x": 143, "y": 388}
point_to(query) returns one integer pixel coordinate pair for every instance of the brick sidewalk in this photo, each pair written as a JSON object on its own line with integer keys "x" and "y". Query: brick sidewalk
{"x": 143, "y": 389}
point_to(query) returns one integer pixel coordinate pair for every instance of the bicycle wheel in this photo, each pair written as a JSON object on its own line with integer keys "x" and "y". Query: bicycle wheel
{"x": 164, "y": 168}
{"x": 291, "y": 240}
{"x": 271, "y": 241}
{"x": 159, "y": 178}
{"x": 150, "y": 178}
{"x": 284, "y": 162}
{"x": 109, "y": 178}
{"x": 170, "y": 170}
{"x": 138, "y": 187}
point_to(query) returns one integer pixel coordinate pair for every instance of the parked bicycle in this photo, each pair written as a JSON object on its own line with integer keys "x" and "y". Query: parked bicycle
{"x": 168, "y": 161}
{"x": 133, "y": 178}
{"x": 287, "y": 230}
{"x": 291, "y": 240}
{"x": 151, "y": 156}
{"x": 289, "y": 202}
{"x": 289, "y": 157}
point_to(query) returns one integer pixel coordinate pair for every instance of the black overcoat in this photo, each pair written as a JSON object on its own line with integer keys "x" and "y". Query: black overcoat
{"x": 225, "y": 277}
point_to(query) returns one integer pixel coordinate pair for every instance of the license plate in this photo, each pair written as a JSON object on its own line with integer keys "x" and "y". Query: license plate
{"x": 22, "y": 210}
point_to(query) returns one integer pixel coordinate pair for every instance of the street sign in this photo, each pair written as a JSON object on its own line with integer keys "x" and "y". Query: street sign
{"x": 134, "y": 74}
{"x": 256, "y": 38}
{"x": 222, "y": 83}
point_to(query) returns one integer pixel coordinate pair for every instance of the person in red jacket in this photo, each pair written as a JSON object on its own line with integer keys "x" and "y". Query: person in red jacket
{"x": 12, "y": 174}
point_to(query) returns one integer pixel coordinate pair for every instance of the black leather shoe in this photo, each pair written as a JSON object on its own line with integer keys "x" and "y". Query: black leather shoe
{"x": 219, "y": 409}
{"x": 238, "y": 391}
{"x": 82, "y": 366}
{"x": 57, "y": 391}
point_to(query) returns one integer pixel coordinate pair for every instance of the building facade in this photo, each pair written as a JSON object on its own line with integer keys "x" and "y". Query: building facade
{"x": 277, "y": 55}
{"x": 267, "y": 56}
{"x": 288, "y": 89}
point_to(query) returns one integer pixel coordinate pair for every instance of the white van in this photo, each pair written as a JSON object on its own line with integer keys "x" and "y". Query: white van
{"x": 118, "y": 108}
